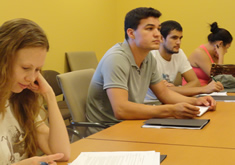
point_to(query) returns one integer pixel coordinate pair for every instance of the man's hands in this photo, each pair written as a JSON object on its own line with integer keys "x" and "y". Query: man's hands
{"x": 168, "y": 84}
{"x": 206, "y": 101}
{"x": 185, "y": 110}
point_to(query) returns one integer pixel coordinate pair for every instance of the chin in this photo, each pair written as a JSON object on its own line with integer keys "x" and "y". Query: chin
{"x": 17, "y": 90}
{"x": 155, "y": 48}
{"x": 176, "y": 52}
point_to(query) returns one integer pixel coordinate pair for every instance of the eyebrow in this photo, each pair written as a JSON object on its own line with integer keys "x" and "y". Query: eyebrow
{"x": 149, "y": 25}
{"x": 30, "y": 65}
{"x": 153, "y": 25}
{"x": 176, "y": 36}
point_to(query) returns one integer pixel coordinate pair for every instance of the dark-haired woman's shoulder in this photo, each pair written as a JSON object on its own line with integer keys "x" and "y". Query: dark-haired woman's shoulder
{"x": 196, "y": 56}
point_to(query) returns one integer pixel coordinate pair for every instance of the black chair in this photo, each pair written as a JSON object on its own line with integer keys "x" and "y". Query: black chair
{"x": 50, "y": 76}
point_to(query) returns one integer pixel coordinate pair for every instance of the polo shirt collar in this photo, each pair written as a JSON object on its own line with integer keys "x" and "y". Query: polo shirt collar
{"x": 128, "y": 51}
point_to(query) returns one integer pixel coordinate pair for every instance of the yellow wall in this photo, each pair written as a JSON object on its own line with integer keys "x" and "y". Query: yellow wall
{"x": 98, "y": 24}
{"x": 70, "y": 25}
{"x": 194, "y": 16}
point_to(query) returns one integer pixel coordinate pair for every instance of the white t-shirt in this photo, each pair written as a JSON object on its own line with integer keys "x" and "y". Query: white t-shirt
{"x": 169, "y": 69}
{"x": 10, "y": 134}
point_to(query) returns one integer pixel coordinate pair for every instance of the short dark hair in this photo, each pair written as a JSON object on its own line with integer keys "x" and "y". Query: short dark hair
{"x": 168, "y": 26}
{"x": 134, "y": 16}
{"x": 219, "y": 34}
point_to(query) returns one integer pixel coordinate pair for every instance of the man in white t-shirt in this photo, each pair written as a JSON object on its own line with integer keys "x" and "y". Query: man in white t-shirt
{"x": 171, "y": 60}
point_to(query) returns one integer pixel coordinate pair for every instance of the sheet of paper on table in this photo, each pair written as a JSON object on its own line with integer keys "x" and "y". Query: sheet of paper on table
{"x": 215, "y": 94}
{"x": 202, "y": 110}
{"x": 118, "y": 158}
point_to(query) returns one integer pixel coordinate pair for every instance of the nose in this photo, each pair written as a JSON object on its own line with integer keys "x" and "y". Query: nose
{"x": 157, "y": 32}
{"x": 31, "y": 77}
{"x": 178, "y": 41}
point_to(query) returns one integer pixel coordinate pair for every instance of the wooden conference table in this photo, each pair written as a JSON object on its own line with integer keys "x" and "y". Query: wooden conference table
{"x": 214, "y": 144}
{"x": 176, "y": 154}
{"x": 219, "y": 132}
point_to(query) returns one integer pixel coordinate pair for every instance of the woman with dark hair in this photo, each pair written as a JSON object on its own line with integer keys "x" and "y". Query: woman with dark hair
{"x": 219, "y": 40}
{"x": 23, "y": 49}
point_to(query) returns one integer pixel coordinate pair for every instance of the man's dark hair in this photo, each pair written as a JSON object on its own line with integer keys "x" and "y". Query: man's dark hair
{"x": 168, "y": 26}
{"x": 133, "y": 17}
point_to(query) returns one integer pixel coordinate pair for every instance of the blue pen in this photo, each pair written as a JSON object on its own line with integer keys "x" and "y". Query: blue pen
{"x": 43, "y": 163}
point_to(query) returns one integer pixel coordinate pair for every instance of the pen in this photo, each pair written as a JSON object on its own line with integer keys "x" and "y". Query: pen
{"x": 213, "y": 78}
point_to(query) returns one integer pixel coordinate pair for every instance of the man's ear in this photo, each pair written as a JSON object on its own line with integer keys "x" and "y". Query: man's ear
{"x": 130, "y": 33}
{"x": 162, "y": 39}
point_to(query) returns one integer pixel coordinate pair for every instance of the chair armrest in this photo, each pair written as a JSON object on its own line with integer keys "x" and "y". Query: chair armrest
{"x": 89, "y": 124}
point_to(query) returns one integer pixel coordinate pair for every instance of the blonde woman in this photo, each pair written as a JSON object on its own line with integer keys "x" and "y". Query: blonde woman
{"x": 23, "y": 49}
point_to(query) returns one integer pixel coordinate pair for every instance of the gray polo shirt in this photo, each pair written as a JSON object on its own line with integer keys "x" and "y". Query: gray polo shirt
{"x": 117, "y": 69}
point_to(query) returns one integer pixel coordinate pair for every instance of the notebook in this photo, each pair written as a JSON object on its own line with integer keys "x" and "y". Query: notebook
{"x": 224, "y": 98}
{"x": 176, "y": 123}
{"x": 162, "y": 157}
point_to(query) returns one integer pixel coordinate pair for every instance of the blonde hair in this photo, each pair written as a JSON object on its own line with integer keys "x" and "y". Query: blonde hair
{"x": 15, "y": 35}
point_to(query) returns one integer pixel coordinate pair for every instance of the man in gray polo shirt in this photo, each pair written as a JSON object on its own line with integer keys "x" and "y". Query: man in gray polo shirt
{"x": 127, "y": 70}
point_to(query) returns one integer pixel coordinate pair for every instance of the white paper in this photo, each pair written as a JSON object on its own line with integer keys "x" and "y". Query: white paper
{"x": 202, "y": 110}
{"x": 215, "y": 94}
{"x": 118, "y": 158}
{"x": 227, "y": 101}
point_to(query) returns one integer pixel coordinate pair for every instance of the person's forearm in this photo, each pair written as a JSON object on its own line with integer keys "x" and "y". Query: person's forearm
{"x": 221, "y": 60}
{"x": 188, "y": 91}
{"x": 171, "y": 97}
{"x": 130, "y": 110}
{"x": 195, "y": 83}
{"x": 58, "y": 136}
